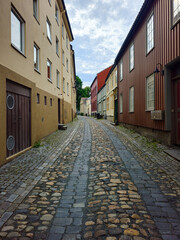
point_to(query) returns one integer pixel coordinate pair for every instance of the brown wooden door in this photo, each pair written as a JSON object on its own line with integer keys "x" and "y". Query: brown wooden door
{"x": 18, "y": 104}
{"x": 177, "y": 111}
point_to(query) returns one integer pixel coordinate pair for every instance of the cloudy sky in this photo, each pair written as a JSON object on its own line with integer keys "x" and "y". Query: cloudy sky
{"x": 99, "y": 28}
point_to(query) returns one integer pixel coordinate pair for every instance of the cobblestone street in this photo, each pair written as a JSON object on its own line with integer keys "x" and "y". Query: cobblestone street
{"x": 92, "y": 181}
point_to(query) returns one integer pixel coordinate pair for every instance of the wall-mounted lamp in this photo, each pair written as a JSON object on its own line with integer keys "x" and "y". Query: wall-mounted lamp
{"x": 159, "y": 69}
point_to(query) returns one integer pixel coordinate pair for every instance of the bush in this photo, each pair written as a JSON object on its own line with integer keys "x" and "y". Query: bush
{"x": 82, "y": 114}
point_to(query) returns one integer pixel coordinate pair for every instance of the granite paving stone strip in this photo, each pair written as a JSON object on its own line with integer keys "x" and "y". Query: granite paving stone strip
{"x": 156, "y": 201}
{"x": 18, "y": 177}
{"x": 67, "y": 223}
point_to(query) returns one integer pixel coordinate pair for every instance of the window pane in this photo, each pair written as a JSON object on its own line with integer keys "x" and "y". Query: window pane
{"x": 150, "y": 34}
{"x": 176, "y": 10}
{"x": 49, "y": 69}
{"x": 131, "y": 57}
{"x": 35, "y": 8}
{"x": 150, "y": 93}
{"x": 48, "y": 30}
{"x": 36, "y": 57}
{"x": 16, "y": 31}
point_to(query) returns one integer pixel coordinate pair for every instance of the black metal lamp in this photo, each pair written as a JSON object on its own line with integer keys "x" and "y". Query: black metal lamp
{"x": 160, "y": 69}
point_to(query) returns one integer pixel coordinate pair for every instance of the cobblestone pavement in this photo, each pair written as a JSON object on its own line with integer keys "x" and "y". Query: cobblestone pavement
{"x": 93, "y": 181}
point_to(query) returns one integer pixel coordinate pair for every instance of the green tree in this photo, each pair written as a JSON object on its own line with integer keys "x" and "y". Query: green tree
{"x": 81, "y": 92}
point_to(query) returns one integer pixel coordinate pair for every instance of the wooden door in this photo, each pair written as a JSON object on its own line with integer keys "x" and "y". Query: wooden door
{"x": 18, "y": 105}
{"x": 177, "y": 111}
{"x": 59, "y": 113}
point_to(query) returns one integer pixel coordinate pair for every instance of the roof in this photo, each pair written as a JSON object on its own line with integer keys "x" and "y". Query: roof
{"x": 101, "y": 76}
{"x": 113, "y": 67}
{"x": 142, "y": 13}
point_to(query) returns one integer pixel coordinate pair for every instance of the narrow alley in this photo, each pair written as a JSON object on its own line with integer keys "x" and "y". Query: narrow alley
{"x": 92, "y": 181}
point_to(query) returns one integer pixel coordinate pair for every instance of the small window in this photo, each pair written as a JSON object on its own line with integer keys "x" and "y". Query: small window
{"x": 63, "y": 85}
{"x": 56, "y": 13}
{"x": 35, "y": 8}
{"x": 36, "y": 57}
{"x": 17, "y": 31}
{"x": 67, "y": 65}
{"x": 57, "y": 77}
{"x": 116, "y": 77}
{"x": 121, "y": 103}
{"x": 49, "y": 2}
{"x": 57, "y": 46}
{"x": 63, "y": 60}
{"x": 150, "y": 34}
{"x": 131, "y": 57}
{"x": 38, "y": 98}
{"x": 131, "y": 99}
{"x": 121, "y": 70}
{"x": 51, "y": 102}
{"x": 150, "y": 93}
{"x": 68, "y": 89}
{"x": 49, "y": 65}
{"x": 62, "y": 30}
{"x": 48, "y": 25}
{"x": 67, "y": 42}
{"x": 175, "y": 11}
{"x": 45, "y": 100}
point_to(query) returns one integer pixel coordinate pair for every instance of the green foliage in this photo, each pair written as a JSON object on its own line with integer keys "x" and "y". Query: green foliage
{"x": 82, "y": 114}
{"x": 37, "y": 144}
{"x": 81, "y": 92}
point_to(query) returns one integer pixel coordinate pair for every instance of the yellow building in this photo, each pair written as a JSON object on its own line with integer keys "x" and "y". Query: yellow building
{"x": 85, "y": 106}
{"x": 37, "y": 73}
{"x": 111, "y": 94}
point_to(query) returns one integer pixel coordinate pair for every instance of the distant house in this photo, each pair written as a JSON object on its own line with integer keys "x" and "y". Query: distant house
{"x": 85, "y": 106}
{"x": 149, "y": 72}
{"x": 101, "y": 101}
{"x": 96, "y": 86}
{"x": 111, "y": 95}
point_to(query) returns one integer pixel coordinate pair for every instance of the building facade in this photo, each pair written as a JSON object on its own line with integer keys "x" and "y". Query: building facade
{"x": 111, "y": 94}
{"x": 85, "y": 106}
{"x": 102, "y": 101}
{"x": 149, "y": 72}
{"x": 94, "y": 91}
{"x": 37, "y": 73}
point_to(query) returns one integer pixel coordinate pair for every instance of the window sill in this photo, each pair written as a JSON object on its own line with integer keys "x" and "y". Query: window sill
{"x": 174, "y": 24}
{"x": 36, "y": 19}
{"x": 49, "y": 80}
{"x": 57, "y": 21}
{"x": 18, "y": 50}
{"x": 36, "y": 70}
{"x": 131, "y": 69}
{"x": 150, "y": 51}
{"x": 57, "y": 55}
{"x": 49, "y": 40}
{"x": 58, "y": 88}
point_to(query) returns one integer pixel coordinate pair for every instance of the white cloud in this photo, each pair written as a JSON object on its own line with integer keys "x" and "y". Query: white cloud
{"x": 99, "y": 28}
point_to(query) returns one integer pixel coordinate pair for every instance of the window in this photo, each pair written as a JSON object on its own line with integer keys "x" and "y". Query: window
{"x": 36, "y": 57}
{"x": 56, "y": 13}
{"x": 131, "y": 57}
{"x": 150, "y": 93}
{"x": 121, "y": 70}
{"x": 150, "y": 34}
{"x": 175, "y": 11}
{"x": 49, "y": 2}
{"x": 17, "y": 31}
{"x": 121, "y": 103}
{"x": 63, "y": 30}
{"x": 38, "y": 98}
{"x": 48, "y": 25}
{"x": 57, "y": 46}
{"x": 45, "y": 100}
{"x": 63, "y": 85}
{"x": 49, "y": 69}
{"x": 131, "y": 99}
{"x": 116, "y": 77}
{"x": 35, "y": 8}
{"x": 57, "y": 77}
{"x": 67, "y": 65}
{"x": 51, "y": 102}
{"x": 63, "y": 57}
{"x": 68, "y": 89}
{"x": 67, "y": 41}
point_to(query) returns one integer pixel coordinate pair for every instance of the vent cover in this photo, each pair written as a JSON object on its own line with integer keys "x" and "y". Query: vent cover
{"x": 10, "y": 102}
{"x": 10, "y": 143}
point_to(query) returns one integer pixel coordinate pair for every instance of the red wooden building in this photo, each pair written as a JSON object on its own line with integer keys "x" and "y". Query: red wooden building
{"x": 94, "y": 90}
{"x": 149, "y": 72}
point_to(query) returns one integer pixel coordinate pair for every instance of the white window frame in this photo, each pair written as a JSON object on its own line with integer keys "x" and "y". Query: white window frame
{"x": 48, "y": 29}
{"x": 131, "y": 99}
{"x": 19, "y": 46}
{"x": 150, "y": 93}
{"x": 121, "y": 70}
{"x": 57, "y": 46}
{"x": 131, "y": 57}
{"x": 175, "y": 11}
{"x": 58, "y": 79}
{"x": 67, "y": 65}
{"x": 56, "y": 13}
{"x": 36, "y": 51}
{"x": 121, "y": 102}
{"x": 150, "y": 33}
{"x": 50, "y": 65}
{"x": 36, "y": 9}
